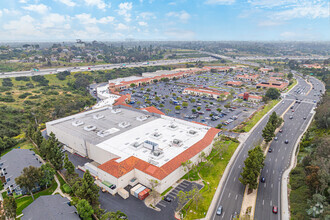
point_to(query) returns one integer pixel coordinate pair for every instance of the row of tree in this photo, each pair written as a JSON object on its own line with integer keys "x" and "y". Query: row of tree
{"x": 274, "y": 122}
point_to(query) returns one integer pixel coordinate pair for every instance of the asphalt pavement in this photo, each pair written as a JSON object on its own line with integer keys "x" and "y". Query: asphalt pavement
{"x": 232, "y": 193}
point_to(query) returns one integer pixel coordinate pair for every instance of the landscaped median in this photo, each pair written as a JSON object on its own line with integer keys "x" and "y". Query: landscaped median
{"x": 210, "y": 176}
{"x": 251, "y": 122}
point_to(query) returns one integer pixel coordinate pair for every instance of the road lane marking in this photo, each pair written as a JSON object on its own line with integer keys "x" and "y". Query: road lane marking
{"x": 267, "y": 171}
{"x": 223, "y": 215}
{"x": 279, "y": 149}
{"x": 228, "y": 195}
{"x": 263, "y": 202}
{"x": 283, "y": 158}
{"x": 265, "y": 185}
{"x": 275, "y": 160}
{"x": 273, "y": 171}
{"x": 234, "y": 179}
{"x": 271, "y": 186}
{"x": 271, "y": 202}
{"x": 161, "y": 204}
{"x": 236, "y": 197}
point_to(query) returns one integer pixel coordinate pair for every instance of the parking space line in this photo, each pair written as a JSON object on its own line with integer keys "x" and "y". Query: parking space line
{"x": 161, "y": 204}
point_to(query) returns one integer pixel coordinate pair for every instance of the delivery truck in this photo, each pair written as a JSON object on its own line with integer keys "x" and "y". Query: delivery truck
{"x": 144, "y": 194}
{"x": 135, "y": 188}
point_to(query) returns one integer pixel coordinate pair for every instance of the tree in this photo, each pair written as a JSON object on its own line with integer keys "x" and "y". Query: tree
{"x": 317, "y": 205}
{"x": 154, "y": 194}
{"x": 132, "y": 85}
{"x": 47, "y": 174}
{"x": 29, "y": 178}
{"x": 37, "y": 138}
{"x": 199, "y": 108}
{"x": 182, "y": 199}
{"x": 290, "y": 75}
{"x": 193, "y": 110}
{"x": 202, "y": 156}
{"x": 187, "y": 166}
{"x": 219, "y": 109}
{"x": 68, "y": 165}
{"x": 9, "y": 206}
{"x": 114, "y": 216}
{"x": 253, "y": 164}
{"x": 86, "y": 189}
{"x": 55, "y": 153}
{"x": 192, "y": 100}
{"x": 44, "y": 148}
{"x": 85, "y": 210}
{"x": 196, "y": 196}
{"x": 312, "y": 178}
{"x": 178, "y": 107}
{"x": 268, "y": 132}
{"x": 219, "y": 126}
{"x": 185, "y": 104}
{"x": 227, "y": 105}
{"x": 273, "y": 93}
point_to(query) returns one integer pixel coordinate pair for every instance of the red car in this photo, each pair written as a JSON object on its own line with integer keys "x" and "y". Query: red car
{"x": 275, "y": 209}
{"x": 281, "y": 131}
{"x": 208, "y": 109}
{"x": 292, "y": 110}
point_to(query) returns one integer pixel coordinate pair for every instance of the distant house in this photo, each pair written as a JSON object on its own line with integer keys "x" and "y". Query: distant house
{"x": 12, "y": 165}
{"x": 247, "y": 77}
{"x": 272, "y": 84}
{"x": 212, "y": 93}
{"x": 234, "y": 83}
{"x": 251, "y": 98}
{"x": 52, "y": 207}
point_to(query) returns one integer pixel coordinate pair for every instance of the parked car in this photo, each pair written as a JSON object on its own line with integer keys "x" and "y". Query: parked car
{"x": 262, "y": 179}
{"x": 286, "y": 141}
{"x": 167, "y": 199}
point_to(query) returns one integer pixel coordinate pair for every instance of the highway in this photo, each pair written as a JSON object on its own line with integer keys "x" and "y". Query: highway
{"x": 102, "y": 67}
{"x": 276, "y": 162}
{"x": 232, "y": 192}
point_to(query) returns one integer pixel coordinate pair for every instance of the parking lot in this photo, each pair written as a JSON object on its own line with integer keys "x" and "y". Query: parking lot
{"x": 166, "y": 96}
{"x": 169, "y": 207}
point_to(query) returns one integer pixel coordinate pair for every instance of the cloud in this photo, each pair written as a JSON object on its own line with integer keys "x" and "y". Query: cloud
{"x": 41, "y": 8}
{"x": 219, "y": 2}
{"x": 121, "y": 27}
{"x": 146, "y": 16}
{"x": 68, "y": 2}
{"x": 179, "y": 34}
{"x": 269, "y": 23}
{"x": 182, "y": 15}
{"x": 0, "y": 13}
{"x": 88, "y": 19}
{"x": 271, "y": 3}
{"x": 304, "y": 10}
{"x": 288, "y": 34}
{"x": 23, "y": 1}
{"x": 124, "y": 10}
{"x": 53, "y": 20}
{"x": 142, "y": 23}
{"x": 100, "y": 4}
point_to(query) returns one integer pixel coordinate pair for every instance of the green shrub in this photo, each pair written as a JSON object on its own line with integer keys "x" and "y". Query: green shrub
{"x": 67, "y": 189}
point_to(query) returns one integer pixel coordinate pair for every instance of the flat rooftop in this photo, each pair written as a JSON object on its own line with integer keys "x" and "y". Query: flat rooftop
{"x": 97, "y": 126}
{"x": 157, "y": 141}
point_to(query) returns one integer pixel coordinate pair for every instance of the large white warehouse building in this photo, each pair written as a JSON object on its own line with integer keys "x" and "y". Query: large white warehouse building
{"x": 127, "y": 144}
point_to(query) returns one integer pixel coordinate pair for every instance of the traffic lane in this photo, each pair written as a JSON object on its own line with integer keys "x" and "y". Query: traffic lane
{"x": 275, "y": 165}
{"x": 235, "y": 170}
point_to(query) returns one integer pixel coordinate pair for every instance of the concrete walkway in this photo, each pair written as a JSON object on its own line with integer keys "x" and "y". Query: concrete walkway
{"x": 58, "y": 189}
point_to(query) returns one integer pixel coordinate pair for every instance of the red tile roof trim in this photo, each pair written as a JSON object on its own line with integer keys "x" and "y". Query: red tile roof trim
{"x": 119, "y": 169}
{"x": 153, "y": 109}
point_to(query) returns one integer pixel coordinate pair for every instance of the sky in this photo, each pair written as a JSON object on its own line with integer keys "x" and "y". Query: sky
{"x": 184, "y": 20}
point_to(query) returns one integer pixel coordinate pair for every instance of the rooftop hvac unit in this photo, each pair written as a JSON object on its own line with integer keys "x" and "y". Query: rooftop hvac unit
{"x": 141, "y": 118}
{"x": 150, "y": 145}
{"x": 116, "y": 111}
{"x": 156, "y": 135}
{"x": 173, "y": 127}
{"x": 98, "y": 116}
{"x": 192, "y": 132}
{"x": 103, "y": 133}
{"x": 177, "y": 143}
{"x": 124, "y": 124}
{"x": 157, "y": 153}
{"x": 89, "y": 128}
{"x": 77, "y": 123}
{"x": 136, "y": 145}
